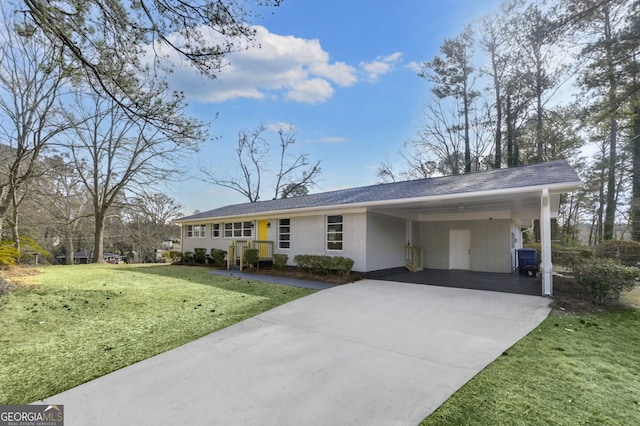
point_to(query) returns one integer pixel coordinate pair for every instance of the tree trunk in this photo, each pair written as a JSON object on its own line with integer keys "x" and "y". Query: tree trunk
{"x": 467, "y": 144}
{"x": 509, "y": 118}
{"x": 567, "y": 224}
{"x": 635, "y": 171}
{"x": 98, "y": 247}
{"x": 498, "y": 138}
{"x": 601, "y": 201}
{"x": 69, "y": 246}
{"x": 610, "y": 213}
{"x": 539, "y": 114}
{"x": 15, "y": 232}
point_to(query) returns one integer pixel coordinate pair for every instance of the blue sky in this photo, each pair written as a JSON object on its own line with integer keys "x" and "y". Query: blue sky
{"x": 343, "y": 73}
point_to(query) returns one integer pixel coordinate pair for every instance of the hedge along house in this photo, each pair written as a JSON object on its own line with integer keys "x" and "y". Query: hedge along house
{"x": 470, "y": 222}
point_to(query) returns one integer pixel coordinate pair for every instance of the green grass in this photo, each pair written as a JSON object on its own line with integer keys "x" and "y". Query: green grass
{"x": 81, "y": 322}
{"x": 571, "y": 370}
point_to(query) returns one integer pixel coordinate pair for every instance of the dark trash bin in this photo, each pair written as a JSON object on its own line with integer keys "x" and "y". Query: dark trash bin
{"x": 528, "y": 262}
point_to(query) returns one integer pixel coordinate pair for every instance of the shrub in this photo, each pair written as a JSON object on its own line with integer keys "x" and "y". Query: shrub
{"x": 324, "y": 264}
{"x": 280, "y": 261}
{"x": 605, "y": 279}
{"x": 8, "y": 254}
{"x": 186, "y": 257}
{"x": 343, "y": 265}
{"x": 172, "y": 256}
{"x": 626, "y": 252}
{"x": 571, "y": 256}
{"x": 29, "y": 248}
{"x": 250, "y": 257}
{"x": 217, "y": 256}
{"x": 200, "y": 255}
{"x": 313, "y": 264}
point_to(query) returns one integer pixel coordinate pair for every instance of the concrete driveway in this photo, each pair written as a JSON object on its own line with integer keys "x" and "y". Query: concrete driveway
{"x": 369, "y": 353}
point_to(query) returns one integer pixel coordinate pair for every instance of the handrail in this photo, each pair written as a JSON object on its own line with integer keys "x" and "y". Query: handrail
{"x": 235, "y": 251}
{"x": 265, "y": 248}
{"x": 414, "y": 259}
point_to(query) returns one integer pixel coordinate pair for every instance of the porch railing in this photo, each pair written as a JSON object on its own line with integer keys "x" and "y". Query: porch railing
{"x": 413, "y": 258}
{"x": 235, "y": 252}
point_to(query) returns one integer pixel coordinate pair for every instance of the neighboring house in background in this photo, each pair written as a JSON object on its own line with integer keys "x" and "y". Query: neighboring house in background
{"x": 86, "y": 256}
{"x": 165, "y": 246}
{"x": 471, "y": 221}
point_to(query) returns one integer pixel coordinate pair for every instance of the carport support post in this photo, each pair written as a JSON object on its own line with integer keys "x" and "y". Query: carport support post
{"x": 545, "y": 242}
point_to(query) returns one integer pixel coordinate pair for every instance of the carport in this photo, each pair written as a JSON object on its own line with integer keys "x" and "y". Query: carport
{"x": 489, "y": 281}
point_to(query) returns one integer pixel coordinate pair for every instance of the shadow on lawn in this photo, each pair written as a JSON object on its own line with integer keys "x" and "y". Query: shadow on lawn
{"x": 202, "y": 275}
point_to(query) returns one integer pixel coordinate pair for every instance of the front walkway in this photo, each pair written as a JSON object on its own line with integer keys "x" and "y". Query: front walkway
{"x": 369, "y": 353}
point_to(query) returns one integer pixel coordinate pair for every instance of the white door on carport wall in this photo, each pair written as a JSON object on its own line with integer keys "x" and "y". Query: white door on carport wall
{"x": 460, "y": 249}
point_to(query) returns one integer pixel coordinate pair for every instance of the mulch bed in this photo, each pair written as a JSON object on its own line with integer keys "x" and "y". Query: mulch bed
{"x": 300, "y": 274}
{"x": 571, "y": 297}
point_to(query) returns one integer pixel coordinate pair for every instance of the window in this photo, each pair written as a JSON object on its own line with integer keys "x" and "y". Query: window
{"x": 284, "y": 233}
{"x": 334, "y": 232}
{"x": 238, "y": 229}
{"x": 215, "y": 230}
{"x": 196, "y": 231}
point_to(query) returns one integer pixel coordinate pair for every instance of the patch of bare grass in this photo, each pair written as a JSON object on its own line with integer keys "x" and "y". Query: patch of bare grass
{"x": 13, "y": 278}
{"x": 81, "y": 322}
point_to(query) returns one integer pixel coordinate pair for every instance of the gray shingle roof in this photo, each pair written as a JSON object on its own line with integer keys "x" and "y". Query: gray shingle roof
{"x": 554, "y": 172}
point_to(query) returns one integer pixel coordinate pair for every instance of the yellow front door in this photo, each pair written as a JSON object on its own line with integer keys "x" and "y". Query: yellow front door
{"x": 263, "y": 235}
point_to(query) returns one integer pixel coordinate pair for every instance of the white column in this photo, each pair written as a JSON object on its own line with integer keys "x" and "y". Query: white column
{"x": 546, "y": 268}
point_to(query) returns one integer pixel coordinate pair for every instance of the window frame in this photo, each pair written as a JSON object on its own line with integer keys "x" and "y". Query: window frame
{"x": 216, "y": 228}
{"x": 198, "y": 230}
{"x": 331, "y": 234}
{"x": 287, "y": 241}
{"x": 238, "y": 230}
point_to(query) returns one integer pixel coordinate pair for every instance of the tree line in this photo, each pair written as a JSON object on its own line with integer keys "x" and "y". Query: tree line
{"x": 88, "y": 123}
{"x": 539, "y": 81}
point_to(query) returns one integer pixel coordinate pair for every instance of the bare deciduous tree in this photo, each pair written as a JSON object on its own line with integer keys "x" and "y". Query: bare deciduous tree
{"x": 148, "y": 222}
{"x": 68, "y": 203}
{"x": 122, "y": 153}
{"x": 294, "y": 176}
{"x": 439, "y": 147}
{"x": 31, "y": 82}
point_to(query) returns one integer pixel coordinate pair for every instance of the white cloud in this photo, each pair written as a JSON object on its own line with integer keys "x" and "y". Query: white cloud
{"x": 290, "y": 67}
{"x": 311, "y": 91}
{"x": 275, "y": 127}
{"x": 414, "y": 66}
{"x": 332, "y": 139}
{"x": 380, "y": 66}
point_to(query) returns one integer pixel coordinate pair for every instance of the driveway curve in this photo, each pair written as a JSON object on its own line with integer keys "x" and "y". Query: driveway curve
{"x": 373, "y": 352}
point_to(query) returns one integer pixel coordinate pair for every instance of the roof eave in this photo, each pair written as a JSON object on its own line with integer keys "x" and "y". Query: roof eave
{"x": 556, "y": 188}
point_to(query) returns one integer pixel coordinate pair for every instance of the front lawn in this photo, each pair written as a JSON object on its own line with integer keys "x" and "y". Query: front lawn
{"x": 574, "y": 369}
{"x": 81, "y": 322}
